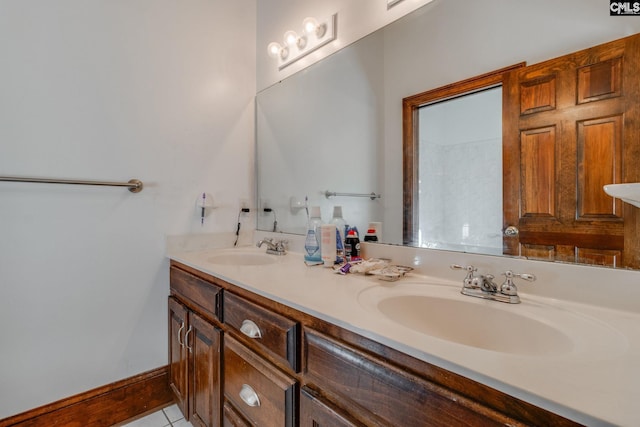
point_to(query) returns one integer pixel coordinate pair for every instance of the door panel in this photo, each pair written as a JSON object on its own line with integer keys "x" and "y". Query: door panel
{"x": 537, "y": 167}
{"x": 600, "y": 163}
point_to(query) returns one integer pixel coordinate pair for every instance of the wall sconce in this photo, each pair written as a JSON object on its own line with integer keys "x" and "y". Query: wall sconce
{"x": 315, "y": 34}
{"x": 391, "y": 3}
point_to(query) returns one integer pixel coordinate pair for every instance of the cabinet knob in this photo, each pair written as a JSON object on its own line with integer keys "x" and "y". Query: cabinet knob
{"x": 250, "y": 329}
{"x": 249, "y": 395}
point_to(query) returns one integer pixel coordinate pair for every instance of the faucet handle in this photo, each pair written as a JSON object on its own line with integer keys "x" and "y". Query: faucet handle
{"x": 509, "y": 287}
{"x": 469, "y": 268}
{"x": 469, "y": 279}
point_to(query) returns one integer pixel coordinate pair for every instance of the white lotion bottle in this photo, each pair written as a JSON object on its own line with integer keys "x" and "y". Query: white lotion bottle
{"x": 328, "y": 244}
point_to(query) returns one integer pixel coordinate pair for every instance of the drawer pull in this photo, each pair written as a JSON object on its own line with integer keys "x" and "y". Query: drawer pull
{"x": 180, "y": 334}
{"x": 186, "y": 339}
{"x": 249, "y": 396}
{"x": 250, "y": 329}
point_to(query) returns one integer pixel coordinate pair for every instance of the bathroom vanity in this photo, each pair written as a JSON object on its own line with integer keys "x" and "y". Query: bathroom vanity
{"x": 281, "y": 366}
{"x": 264, "y": 340}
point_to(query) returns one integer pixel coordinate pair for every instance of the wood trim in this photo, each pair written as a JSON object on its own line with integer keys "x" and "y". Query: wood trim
{"x": 104, "y": 406}
{"x": 410, "y": 136}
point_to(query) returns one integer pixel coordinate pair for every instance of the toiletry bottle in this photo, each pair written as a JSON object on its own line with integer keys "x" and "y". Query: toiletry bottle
{"x": 352, "y": 245}
{"x": 371, "y": 235}
{"x": 328, "y": 244}
{"x": 312, "y": 242}
{"x": 341, "y": 226}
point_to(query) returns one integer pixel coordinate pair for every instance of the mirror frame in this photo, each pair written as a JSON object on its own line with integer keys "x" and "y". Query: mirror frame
{"x": 410, "y": 138}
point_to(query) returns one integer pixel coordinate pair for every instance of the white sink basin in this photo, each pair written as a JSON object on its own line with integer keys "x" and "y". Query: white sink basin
{"x": 476, "y": 325}
{"x": 523, "y": 329}
{"x": 242, "y": 258}
{"x": 629, "y": 192}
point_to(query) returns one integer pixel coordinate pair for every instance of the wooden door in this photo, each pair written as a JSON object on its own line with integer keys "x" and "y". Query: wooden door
{"x": 178, "y": 373}
{"x": 571, "y": 126}
{"x": 204, "y": 355}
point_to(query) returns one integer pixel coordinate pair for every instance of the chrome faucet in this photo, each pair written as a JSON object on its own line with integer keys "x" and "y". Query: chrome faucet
{"x": 274, "y": 248}
{"x": 482, "y": 286}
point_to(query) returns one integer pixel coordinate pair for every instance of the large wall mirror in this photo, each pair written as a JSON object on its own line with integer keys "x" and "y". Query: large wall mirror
{"x": 336, "y": 127}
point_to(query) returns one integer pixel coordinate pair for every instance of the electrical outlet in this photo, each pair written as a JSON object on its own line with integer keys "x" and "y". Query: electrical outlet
{"x": 265, "y": 206}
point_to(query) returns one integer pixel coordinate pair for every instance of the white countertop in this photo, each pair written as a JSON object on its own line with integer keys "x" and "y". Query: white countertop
{"x": 596, "y": 383}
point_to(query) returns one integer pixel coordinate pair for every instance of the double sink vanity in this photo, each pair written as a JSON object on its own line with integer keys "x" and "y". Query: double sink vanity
{"x": 258, "y": 339}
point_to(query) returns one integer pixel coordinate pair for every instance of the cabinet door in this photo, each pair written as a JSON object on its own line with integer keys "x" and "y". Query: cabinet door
{"x": 204, "y": 355}
{"x": 178, "y": 373}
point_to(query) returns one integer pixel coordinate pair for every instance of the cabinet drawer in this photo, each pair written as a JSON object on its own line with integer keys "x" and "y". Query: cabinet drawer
{"x": 200, "y": 294}
{"x": 231, "y": 417}
{"x": 269, "y": 331}
{"x": 314, "y": 412}
{"x": 262, "y": 393}
{"x": 391, "y": 395}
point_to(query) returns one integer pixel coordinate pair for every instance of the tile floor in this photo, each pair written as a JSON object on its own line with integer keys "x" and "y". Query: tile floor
{"x": 167, "y": 417}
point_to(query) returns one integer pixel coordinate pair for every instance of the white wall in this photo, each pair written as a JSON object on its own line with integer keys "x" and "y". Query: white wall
{"x": 160, "y": 90}
{"x": 315, "y": 137}
{"x": 356, "y": 18}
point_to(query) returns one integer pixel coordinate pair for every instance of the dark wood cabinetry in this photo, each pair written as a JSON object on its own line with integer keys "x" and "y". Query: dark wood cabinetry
{"x": 282, "y": 367}
{"x": 316, "y": 413}
{"x": 265, "y": 395}
{"x": 195, "y": 348}
{"x": 178, "y": 373}
{"x": 264, "y": 329}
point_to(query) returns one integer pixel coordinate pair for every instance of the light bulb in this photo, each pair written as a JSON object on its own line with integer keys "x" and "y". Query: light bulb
{"x": 310, "y": 25}
{"x": 290, "y": 38}
{"x": 321, "y": 30}
{"x": 274, "y": 49}
{"x": 302, "y": 42}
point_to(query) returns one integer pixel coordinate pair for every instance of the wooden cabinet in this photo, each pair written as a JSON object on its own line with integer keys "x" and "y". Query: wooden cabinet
{"x": 265, "y": 395}
{"x": 194, "y": 350}
{"x": 178, "y": 373}
{"x": 282, "y": 367}
{"x": 205, "y": 379}
{"x": 263, "y": 329}
{"x": 316, "y": 413}
{"x": 386, "y": 394}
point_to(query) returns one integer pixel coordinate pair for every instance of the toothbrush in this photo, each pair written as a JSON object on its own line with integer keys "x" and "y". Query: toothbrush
{"x": 306, "y": 206}
{"x": 202, "y": 210}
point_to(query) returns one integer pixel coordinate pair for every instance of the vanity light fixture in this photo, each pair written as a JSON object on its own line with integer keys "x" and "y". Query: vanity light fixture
{"x": 316, "y": 33}
{"x": 391, "y": 3}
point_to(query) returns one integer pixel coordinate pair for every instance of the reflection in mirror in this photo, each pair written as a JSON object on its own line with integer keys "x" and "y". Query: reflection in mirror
{"x": 321, "y": 130}
{"x": 338, "y": 125}
{"x": 460, "y": 173}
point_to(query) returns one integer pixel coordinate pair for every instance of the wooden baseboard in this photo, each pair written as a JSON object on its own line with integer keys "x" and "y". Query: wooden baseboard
{"x": 104, "y": 406}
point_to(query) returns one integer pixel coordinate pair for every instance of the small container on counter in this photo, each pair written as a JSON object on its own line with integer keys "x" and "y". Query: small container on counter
{"x": 371, "y": 235}
{"x": 352, "y": 245}
{"x": 328, "y": 244}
